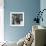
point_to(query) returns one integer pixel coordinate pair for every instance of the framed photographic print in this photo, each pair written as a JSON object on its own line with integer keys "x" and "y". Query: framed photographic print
{"x": 16, "y": 18}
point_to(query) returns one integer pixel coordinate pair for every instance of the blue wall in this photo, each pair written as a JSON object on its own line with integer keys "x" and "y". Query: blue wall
{"x": 43, "y": 6}
{"x": 29, "y": 7}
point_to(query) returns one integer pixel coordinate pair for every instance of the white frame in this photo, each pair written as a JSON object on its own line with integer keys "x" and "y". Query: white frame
{"x": 16, "y": 13}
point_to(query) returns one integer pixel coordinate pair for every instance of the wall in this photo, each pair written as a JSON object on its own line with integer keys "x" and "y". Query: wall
{"x": 43, "y": 6}
{"x": 29, "y": 7}
{"x": 1, "y": 21}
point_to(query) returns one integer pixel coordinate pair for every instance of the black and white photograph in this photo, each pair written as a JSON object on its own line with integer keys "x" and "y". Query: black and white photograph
{"x": 16, "y": 18}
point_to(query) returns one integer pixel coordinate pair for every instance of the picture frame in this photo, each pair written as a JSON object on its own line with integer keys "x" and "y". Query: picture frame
{"x": 16, "y": 18}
